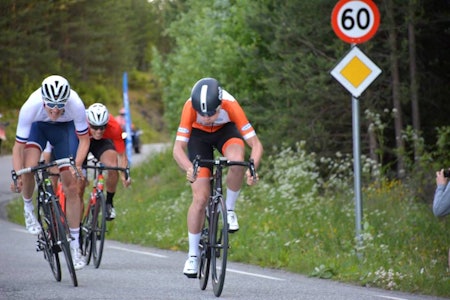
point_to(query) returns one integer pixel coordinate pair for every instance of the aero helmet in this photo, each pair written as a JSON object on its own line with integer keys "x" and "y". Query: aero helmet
{"x": 206, "y": 96}
{"x": 55, "y": 89}
{"x": 97, "y": 114}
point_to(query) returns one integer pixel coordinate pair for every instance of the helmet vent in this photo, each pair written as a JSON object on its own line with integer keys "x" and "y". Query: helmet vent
{"x": 203, "y": 98}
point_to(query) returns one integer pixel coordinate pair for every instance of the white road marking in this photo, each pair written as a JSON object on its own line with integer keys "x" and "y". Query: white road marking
{"x": 138, "y": 252}
{"x": 390, "y": 297}
{"x": 254, "y": 275}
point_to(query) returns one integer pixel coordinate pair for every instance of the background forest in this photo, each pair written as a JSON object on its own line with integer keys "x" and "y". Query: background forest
{"x": 275, "y": 57}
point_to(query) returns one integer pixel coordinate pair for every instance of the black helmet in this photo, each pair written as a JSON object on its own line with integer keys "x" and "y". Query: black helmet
{"x": 206, "y": 96}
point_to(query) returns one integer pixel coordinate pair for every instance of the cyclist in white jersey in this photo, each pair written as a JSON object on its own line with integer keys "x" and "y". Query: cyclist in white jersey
{"x": 56, "y": 114}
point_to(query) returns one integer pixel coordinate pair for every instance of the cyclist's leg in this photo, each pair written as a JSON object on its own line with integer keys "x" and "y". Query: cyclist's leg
{"x": 105, "y": 152}
{"x": 233, "y": 147}
{"x": 31, "y": 155}
{"x": 65, "y": 143}
{"x": 197, "y": 145}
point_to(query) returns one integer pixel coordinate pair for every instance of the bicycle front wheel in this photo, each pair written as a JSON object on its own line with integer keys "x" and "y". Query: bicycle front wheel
{"x": 205, "y": 259}
{"x": 64, "y": 238}
{"x": 99, "y": 228}
{"x": 219, "y": 246}
{"x": 86, "y": 233}
{"x": 47, "y": 240}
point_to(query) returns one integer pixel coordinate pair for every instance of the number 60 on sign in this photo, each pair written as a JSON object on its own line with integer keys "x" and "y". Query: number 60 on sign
{"x": 355, "y": 21}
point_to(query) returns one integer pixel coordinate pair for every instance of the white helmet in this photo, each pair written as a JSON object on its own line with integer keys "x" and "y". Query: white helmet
{"x": 55, "y": 89}
{"x": 97, "y": 114}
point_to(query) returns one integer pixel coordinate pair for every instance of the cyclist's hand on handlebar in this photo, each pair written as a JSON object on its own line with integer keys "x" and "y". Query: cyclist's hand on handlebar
{"x": 77, "y": 172}
{"x": 126, "y": 182}
{"x": 190, "y": 176}
{"x": 16, "y": 187}
{"x": 250, "y": 179}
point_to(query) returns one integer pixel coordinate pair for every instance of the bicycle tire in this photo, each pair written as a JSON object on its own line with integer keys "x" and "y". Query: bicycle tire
{"x": 86, "y": 234}
{"x": 205, "y": 259}
{"x": 63, "y": 237}
{"x": 46, "y": 240}
{"x": 99, "y": 229}
{"x": 219, "y": 246}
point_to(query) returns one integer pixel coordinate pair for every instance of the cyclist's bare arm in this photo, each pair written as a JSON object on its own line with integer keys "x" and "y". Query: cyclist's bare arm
{"x": 123, "y": 163}
{"x": 180, "y": 156}
{"x": 256, "y": 154}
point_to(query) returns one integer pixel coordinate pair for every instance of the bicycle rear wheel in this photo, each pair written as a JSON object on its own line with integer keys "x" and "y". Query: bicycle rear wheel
{"x": 205, "y": 259}
{"x": 64, "y": 238}
{"x": 46, "y": 240}
{"x": 99, "y": 229}
{"x": 219, "y": 246}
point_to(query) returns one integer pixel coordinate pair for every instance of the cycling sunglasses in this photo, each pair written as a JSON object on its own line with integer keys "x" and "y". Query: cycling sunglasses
{"x": 209, "y": 113}
{"x": 93, "y": 127}
{"x": 52, "y": 105}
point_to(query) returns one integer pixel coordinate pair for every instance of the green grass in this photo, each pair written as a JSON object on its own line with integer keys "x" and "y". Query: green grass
{"x": 298, "y": 221}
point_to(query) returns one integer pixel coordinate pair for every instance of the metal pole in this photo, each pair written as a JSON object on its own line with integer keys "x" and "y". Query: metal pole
{"x": 357, "y": 168}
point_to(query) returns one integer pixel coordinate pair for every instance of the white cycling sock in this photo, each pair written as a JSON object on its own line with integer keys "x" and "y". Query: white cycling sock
{"x": 194, "y": 240}
{"x": 75, "y": 233}
{"x": 231, "y": 198}
{"x": 28, "y": 205}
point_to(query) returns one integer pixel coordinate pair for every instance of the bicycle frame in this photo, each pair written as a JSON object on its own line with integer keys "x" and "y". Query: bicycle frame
{"x": 214, "y": 240}
{"x": 55, "y": 234}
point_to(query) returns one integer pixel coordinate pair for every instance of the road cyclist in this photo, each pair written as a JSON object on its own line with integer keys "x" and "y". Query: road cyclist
{"x": 56, "y": 114}
{"x": 212, "y": 119}
{"x": 108, "y": 147}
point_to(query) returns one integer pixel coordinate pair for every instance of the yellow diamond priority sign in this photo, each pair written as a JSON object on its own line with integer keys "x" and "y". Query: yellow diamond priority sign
{"x": 355, "y": 72}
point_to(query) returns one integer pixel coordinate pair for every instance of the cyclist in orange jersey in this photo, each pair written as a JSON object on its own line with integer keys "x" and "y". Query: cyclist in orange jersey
{"x": 212, "y": 119}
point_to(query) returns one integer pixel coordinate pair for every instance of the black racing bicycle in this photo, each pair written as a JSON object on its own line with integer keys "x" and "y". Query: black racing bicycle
{"x": 214, "y": 238}
{"x": 55, "y": 235}
{"x": 93, "y": 227}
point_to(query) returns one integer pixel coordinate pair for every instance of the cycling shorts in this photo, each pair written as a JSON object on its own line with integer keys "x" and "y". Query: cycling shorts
{"x": 61, "y": 135}
{"x": 97, "y": 147}
{"x": 204, "y": 143}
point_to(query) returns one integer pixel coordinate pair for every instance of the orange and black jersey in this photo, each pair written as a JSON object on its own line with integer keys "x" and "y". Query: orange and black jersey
{"x": 230, "y": 111}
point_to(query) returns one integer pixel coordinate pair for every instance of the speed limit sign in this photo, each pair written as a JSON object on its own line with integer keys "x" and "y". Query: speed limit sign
{"x": 355, "y": 21}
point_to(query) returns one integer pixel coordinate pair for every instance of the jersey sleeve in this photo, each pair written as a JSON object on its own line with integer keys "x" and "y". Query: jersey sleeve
{"x": 27, "y": 115}
{"x": 115, "y": 133}
{"x": 79, "y": 114}
{"x": 237, "y": 115}
{"x": 188, "y": 116}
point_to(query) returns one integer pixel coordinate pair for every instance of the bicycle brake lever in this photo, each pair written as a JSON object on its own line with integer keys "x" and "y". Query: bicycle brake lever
{"x": 252, "y": 169}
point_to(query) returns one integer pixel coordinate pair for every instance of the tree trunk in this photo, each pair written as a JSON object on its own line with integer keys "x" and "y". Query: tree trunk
{"x": 413, "y": 77}
{"x": 395, "y": 88}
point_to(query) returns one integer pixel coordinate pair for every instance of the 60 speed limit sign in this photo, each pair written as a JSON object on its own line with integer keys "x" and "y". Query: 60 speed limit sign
{"x": 355, "y": 21}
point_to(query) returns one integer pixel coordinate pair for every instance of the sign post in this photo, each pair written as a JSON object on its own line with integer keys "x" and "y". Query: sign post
{"x": 354, "y": 22}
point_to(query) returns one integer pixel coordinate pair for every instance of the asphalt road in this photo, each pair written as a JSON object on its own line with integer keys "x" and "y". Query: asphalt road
{"x": 136, "y": 272}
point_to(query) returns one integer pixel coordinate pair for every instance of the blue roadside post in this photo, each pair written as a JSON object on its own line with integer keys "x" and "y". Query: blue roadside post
{"x": 126, "y": 105}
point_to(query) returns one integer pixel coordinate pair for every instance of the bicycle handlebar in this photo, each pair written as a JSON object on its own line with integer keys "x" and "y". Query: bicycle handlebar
{"x": 223, "y": 161}
{"x": 100, "y": 166}
{"x": 41, "y": 166}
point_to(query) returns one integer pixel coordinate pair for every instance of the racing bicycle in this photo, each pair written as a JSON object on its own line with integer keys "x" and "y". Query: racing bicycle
{"x": 214, "y": 237}
{"x": 55, "y": 235}
{"x": 93, "y": 227}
